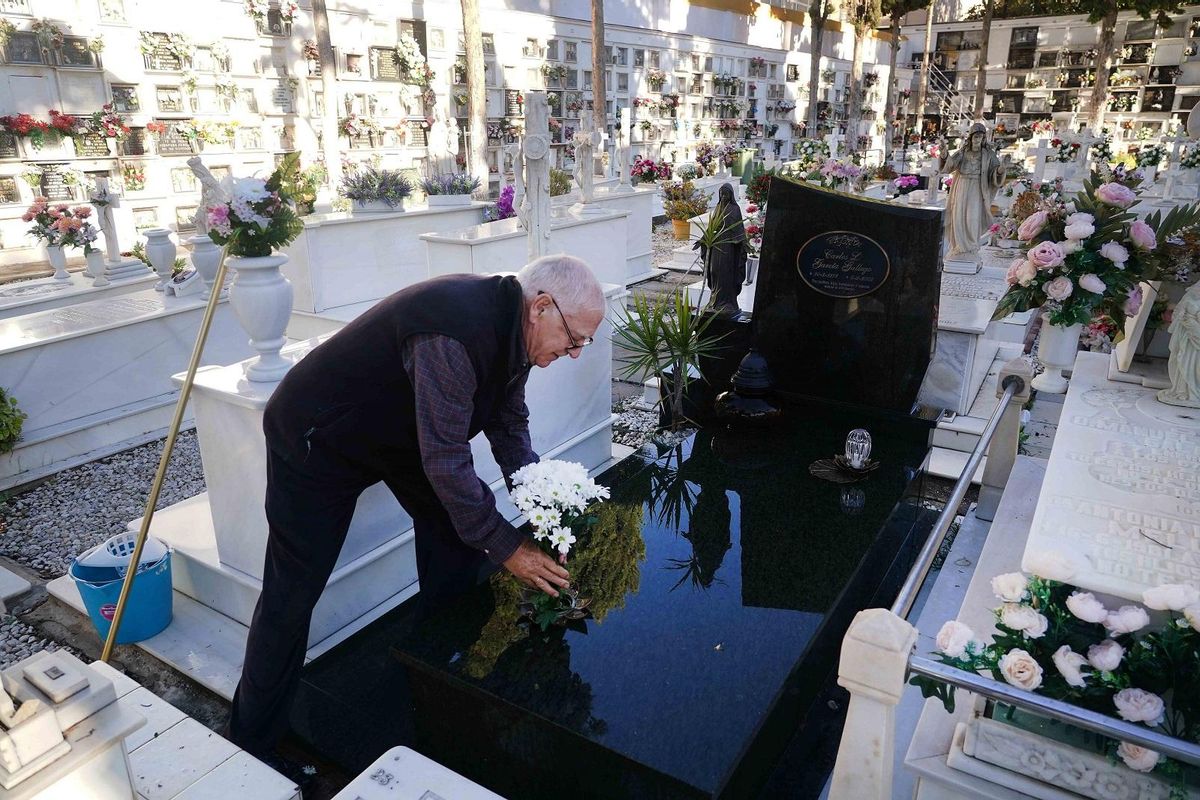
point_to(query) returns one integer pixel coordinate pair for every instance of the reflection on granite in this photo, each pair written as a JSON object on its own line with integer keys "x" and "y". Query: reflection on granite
{"x": 716, "y": 581}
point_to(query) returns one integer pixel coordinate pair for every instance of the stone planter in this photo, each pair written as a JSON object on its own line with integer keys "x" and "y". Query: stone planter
{"x": 58, "y": 260}
{"x": 376, "y": 207}
{"x": 681, "y": 227}
{"x": 1057, "y": 348}
{"x": 1049, "y": 769}
{"x": 262, "y": 302}
{"x": 435, "y": 200}
{"x": 161, "y": 252}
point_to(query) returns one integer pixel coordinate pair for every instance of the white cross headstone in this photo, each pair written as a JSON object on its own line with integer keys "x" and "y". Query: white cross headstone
{"x": 533, "y": 175}
{"x": 1177, "y": 142}
{"x": 104, "y": 199}
{"x": 1040, "y": 155}
{"x": 834, "y": 140}
{"x": 585, "y": 141}
{"x": 624, "y": 150}
{"x": 1172, "y": 176}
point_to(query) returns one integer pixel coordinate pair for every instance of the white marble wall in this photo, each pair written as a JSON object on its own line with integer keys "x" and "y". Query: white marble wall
{"x": 341, "y": 259}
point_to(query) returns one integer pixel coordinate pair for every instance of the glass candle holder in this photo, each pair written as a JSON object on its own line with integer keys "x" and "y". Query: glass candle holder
{"x": 858, "y": 448}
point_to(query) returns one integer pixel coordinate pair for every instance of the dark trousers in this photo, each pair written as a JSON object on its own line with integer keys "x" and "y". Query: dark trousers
{"x": 309, "y": 505}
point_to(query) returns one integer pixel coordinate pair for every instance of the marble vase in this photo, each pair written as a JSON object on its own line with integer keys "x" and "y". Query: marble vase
{"x": 161, "y": 252}
{"x": 1057, "y": 349}
{"x": 95, "y": 267}
{"x": 262, "y": 302}
{"x": 58, "y": 260}
{"x": 206, "y": 257}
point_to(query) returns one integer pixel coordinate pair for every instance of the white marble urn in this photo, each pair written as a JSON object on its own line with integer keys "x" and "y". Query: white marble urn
{"x": 206, "y": 257}
{"x": 262, "y": 302}
{"x": 1057, "y": 347}
{"x": 161, "y": 252}
{"x": 95, "y": 267}
{"x": 58, "y": 260}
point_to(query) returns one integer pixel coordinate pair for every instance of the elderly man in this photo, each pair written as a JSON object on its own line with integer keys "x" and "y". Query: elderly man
{"x": 396, "y": 396}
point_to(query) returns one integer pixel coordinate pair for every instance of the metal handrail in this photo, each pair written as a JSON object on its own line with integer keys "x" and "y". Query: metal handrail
{"x": 993, "y": 689}
{"x": 1058, "y": 710}
{"x": 916, "y": 576}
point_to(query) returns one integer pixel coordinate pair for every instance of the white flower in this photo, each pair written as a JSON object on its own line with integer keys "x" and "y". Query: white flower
{"x": 1051, "y": 565}
{"x": 562, "y": 538}
{"x": 1068, "y": 663}
{"x": 1086, "y": 607}
{"x": 545, "y": 517}
{"x": 1192, "y": 615}
{"x": 1137, "y": 758}
{"x": 1024, "y": 619}
{"x": 1106, "y": 656}
{"x": 1010, "y": 587}
{"x": 1021, "y": 670}
{"x": 1079, "y": 230}
{"x": 1171, "y": 597}
{"x": 953, "y": 639}
{"x": 1070, "y": 246}
{"x": 250, "y": 189}
{"x": 1138, "y": 705}
{"x": 1126, "y": 619}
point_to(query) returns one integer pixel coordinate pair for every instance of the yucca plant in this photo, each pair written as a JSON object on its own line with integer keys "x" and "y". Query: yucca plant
{"x": 661, "y": 335}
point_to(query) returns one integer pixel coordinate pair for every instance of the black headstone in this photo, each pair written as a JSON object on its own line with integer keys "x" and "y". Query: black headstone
{"x": 846, "y": 304}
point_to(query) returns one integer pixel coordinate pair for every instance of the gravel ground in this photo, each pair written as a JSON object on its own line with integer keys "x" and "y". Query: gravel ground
{"x": 662, "y": 244}
{"x": 19, "y": 641}
{"x": 633, "y": 425}
{"x": 81, "y": 507}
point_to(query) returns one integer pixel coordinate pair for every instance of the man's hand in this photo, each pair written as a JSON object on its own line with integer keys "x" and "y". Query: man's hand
{"x": 535, "y": 569}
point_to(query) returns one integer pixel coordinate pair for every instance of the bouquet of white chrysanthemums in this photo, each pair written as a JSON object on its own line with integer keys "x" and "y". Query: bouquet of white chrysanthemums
{"x": 554, "y": 496}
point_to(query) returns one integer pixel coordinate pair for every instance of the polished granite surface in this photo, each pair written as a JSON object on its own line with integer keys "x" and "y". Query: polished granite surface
{"x": 722, "y": 577}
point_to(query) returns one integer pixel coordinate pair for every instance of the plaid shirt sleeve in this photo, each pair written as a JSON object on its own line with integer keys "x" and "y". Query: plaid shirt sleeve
{"x": 443, "y": 387}
{"x": 508, "y": 433}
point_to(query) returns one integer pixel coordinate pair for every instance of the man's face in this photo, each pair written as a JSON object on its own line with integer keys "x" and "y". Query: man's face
{"x": 550, "y": 335}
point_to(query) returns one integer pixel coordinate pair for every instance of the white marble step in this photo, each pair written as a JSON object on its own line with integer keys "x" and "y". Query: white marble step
{"x": 962, "y": 432}
{"x": 949, "y": 464}
{"x": 405, "y": 773}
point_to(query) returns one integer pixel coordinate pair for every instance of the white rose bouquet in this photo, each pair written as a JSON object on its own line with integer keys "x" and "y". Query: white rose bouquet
{"x": 557, "y": 498}
{"x": 1062, "y": 642}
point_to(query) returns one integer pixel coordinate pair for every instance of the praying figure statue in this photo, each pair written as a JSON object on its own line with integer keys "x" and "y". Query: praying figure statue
{"x": 725, "y": 263}
{"x": 977, "y": 173}
{"x": 1184, "y": 365}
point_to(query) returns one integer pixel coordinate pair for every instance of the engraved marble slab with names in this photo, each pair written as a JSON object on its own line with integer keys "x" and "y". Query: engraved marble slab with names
{"x": 1122, "y": 490}
{"x": 44, "y": 325}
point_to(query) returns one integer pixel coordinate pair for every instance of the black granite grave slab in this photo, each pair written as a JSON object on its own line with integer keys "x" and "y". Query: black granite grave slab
{"x": 846, "y": 304}
{"x": 726, "y": 580}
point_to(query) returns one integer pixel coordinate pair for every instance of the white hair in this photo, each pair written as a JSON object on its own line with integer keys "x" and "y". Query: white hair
{"x": 569, "y": 280}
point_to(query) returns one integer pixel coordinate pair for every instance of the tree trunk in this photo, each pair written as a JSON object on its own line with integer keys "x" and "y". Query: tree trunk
{"x": 329, "y": 120}
{"x": 854, "y": 112}
{"x": 923, "y": 87}
{"x": 814, "y": 71}
{"x": 599, "y": 114}
{"x": 981, "y": 75}
{"x": 889, "y": 108}
{"x": 476, "y": 96}
{"x": 1104, "y": 51}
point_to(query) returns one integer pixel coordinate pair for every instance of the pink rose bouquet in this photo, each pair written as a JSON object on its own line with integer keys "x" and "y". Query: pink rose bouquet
{"x": 1086, "y": 255}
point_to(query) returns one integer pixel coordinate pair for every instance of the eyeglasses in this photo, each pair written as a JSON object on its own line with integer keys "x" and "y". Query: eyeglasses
{"x": 575, "y": 345}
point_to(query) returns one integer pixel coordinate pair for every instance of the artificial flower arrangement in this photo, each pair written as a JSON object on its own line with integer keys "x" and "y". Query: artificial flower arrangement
{"x": 906, "y": 183}
{"x": 60, "y": 225}
{"x": 26, "y": 125}
{"x": 408, "y": 55}
{"x": 755, "y": 225}
{"x": 108, "y": 123}
{"x": 1064, "y": 643}
{"x": 503, "y": 207}
{"x": 557, "y": 498}
{"x": 836, "y": 173}
{"x": 647, "y": 170}
{"x": 1068, "y": 150}
{"x": 259, "y": 215}
{"x": 450, "y": 183}
{"x": 1042, "y": 126}
{"x": 810, "y": 153}
{"x": 655, "y": 79}
{"x": 1087, "y": 255}
{"x": 1151, "y": 156}
{"x": 1190, "y": 158}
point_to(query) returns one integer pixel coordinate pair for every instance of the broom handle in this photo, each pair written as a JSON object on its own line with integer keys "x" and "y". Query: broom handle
{"x": 172, "y": 432}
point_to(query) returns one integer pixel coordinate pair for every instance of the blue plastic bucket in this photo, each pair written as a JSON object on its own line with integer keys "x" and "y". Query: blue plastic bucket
{"x": 149, "y": 609}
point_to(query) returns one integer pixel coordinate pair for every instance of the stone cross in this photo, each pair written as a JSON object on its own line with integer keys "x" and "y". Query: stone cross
{"x": 586, "y": 140}
{"x": 533, "y": 159}
{"x": 834, "y": 140}
{"x": 1085, "y": 140}
{"x": 105, "y": 200}
{"x": 624, "y": 150}
{"x": 1177, "y": 141}
{"x": 1172, "y": 175}
{"x": 1040, "y": 154}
